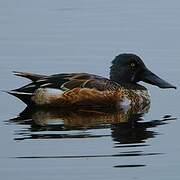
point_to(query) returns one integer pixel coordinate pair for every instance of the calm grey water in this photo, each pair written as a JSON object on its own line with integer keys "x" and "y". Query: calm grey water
{"x": 47, "y": 37}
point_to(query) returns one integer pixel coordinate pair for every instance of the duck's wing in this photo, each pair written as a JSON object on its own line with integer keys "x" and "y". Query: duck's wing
{"x": 84, "y": 80}
{"x": 66, "y": 82}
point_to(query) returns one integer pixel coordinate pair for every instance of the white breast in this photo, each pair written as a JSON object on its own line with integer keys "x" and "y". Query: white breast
{"x": 125, "y": 104}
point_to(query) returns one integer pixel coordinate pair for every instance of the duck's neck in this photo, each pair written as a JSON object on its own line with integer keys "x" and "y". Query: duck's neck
{"x": 123, "y": 81}
{"x": 118, "y": 76}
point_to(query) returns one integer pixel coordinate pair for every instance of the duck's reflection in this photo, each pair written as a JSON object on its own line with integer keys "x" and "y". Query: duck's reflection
{"x": 127, "y": 127}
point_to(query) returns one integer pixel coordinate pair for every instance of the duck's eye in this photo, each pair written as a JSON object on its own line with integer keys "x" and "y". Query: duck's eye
{"x": 132, "y": 65}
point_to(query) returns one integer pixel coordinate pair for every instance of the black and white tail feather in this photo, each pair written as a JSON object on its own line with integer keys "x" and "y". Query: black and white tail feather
{"x": 26, "y": 92}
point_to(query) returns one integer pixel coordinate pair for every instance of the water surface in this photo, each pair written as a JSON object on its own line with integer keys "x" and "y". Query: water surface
{"x": 84, "y": 36}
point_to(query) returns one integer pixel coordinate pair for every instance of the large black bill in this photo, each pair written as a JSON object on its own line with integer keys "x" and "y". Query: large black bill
{"x": 153, "y": 79}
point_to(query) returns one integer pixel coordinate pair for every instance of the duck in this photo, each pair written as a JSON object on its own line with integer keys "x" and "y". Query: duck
{"x": 120, "y": 90}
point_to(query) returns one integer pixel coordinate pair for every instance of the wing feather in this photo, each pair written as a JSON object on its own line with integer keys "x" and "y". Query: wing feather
{"x": 70, "y": 81}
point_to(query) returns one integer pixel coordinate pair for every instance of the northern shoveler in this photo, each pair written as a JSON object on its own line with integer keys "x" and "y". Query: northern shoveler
{"x": 89, "y": 90}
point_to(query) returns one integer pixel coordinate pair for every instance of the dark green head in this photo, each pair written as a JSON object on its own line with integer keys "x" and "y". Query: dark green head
{"x": 130, "y": 69}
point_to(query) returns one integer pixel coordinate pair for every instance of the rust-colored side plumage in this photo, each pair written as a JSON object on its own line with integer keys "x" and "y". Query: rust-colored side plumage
{"x": 79, "y": 97}
{"x": 89, "y": 98}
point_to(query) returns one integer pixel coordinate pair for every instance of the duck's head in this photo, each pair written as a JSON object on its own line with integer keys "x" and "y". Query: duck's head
{"x": 130, "y": 69}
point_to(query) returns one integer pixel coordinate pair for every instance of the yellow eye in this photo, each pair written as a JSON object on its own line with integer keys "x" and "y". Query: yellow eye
{"x": 133, "y": 65}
